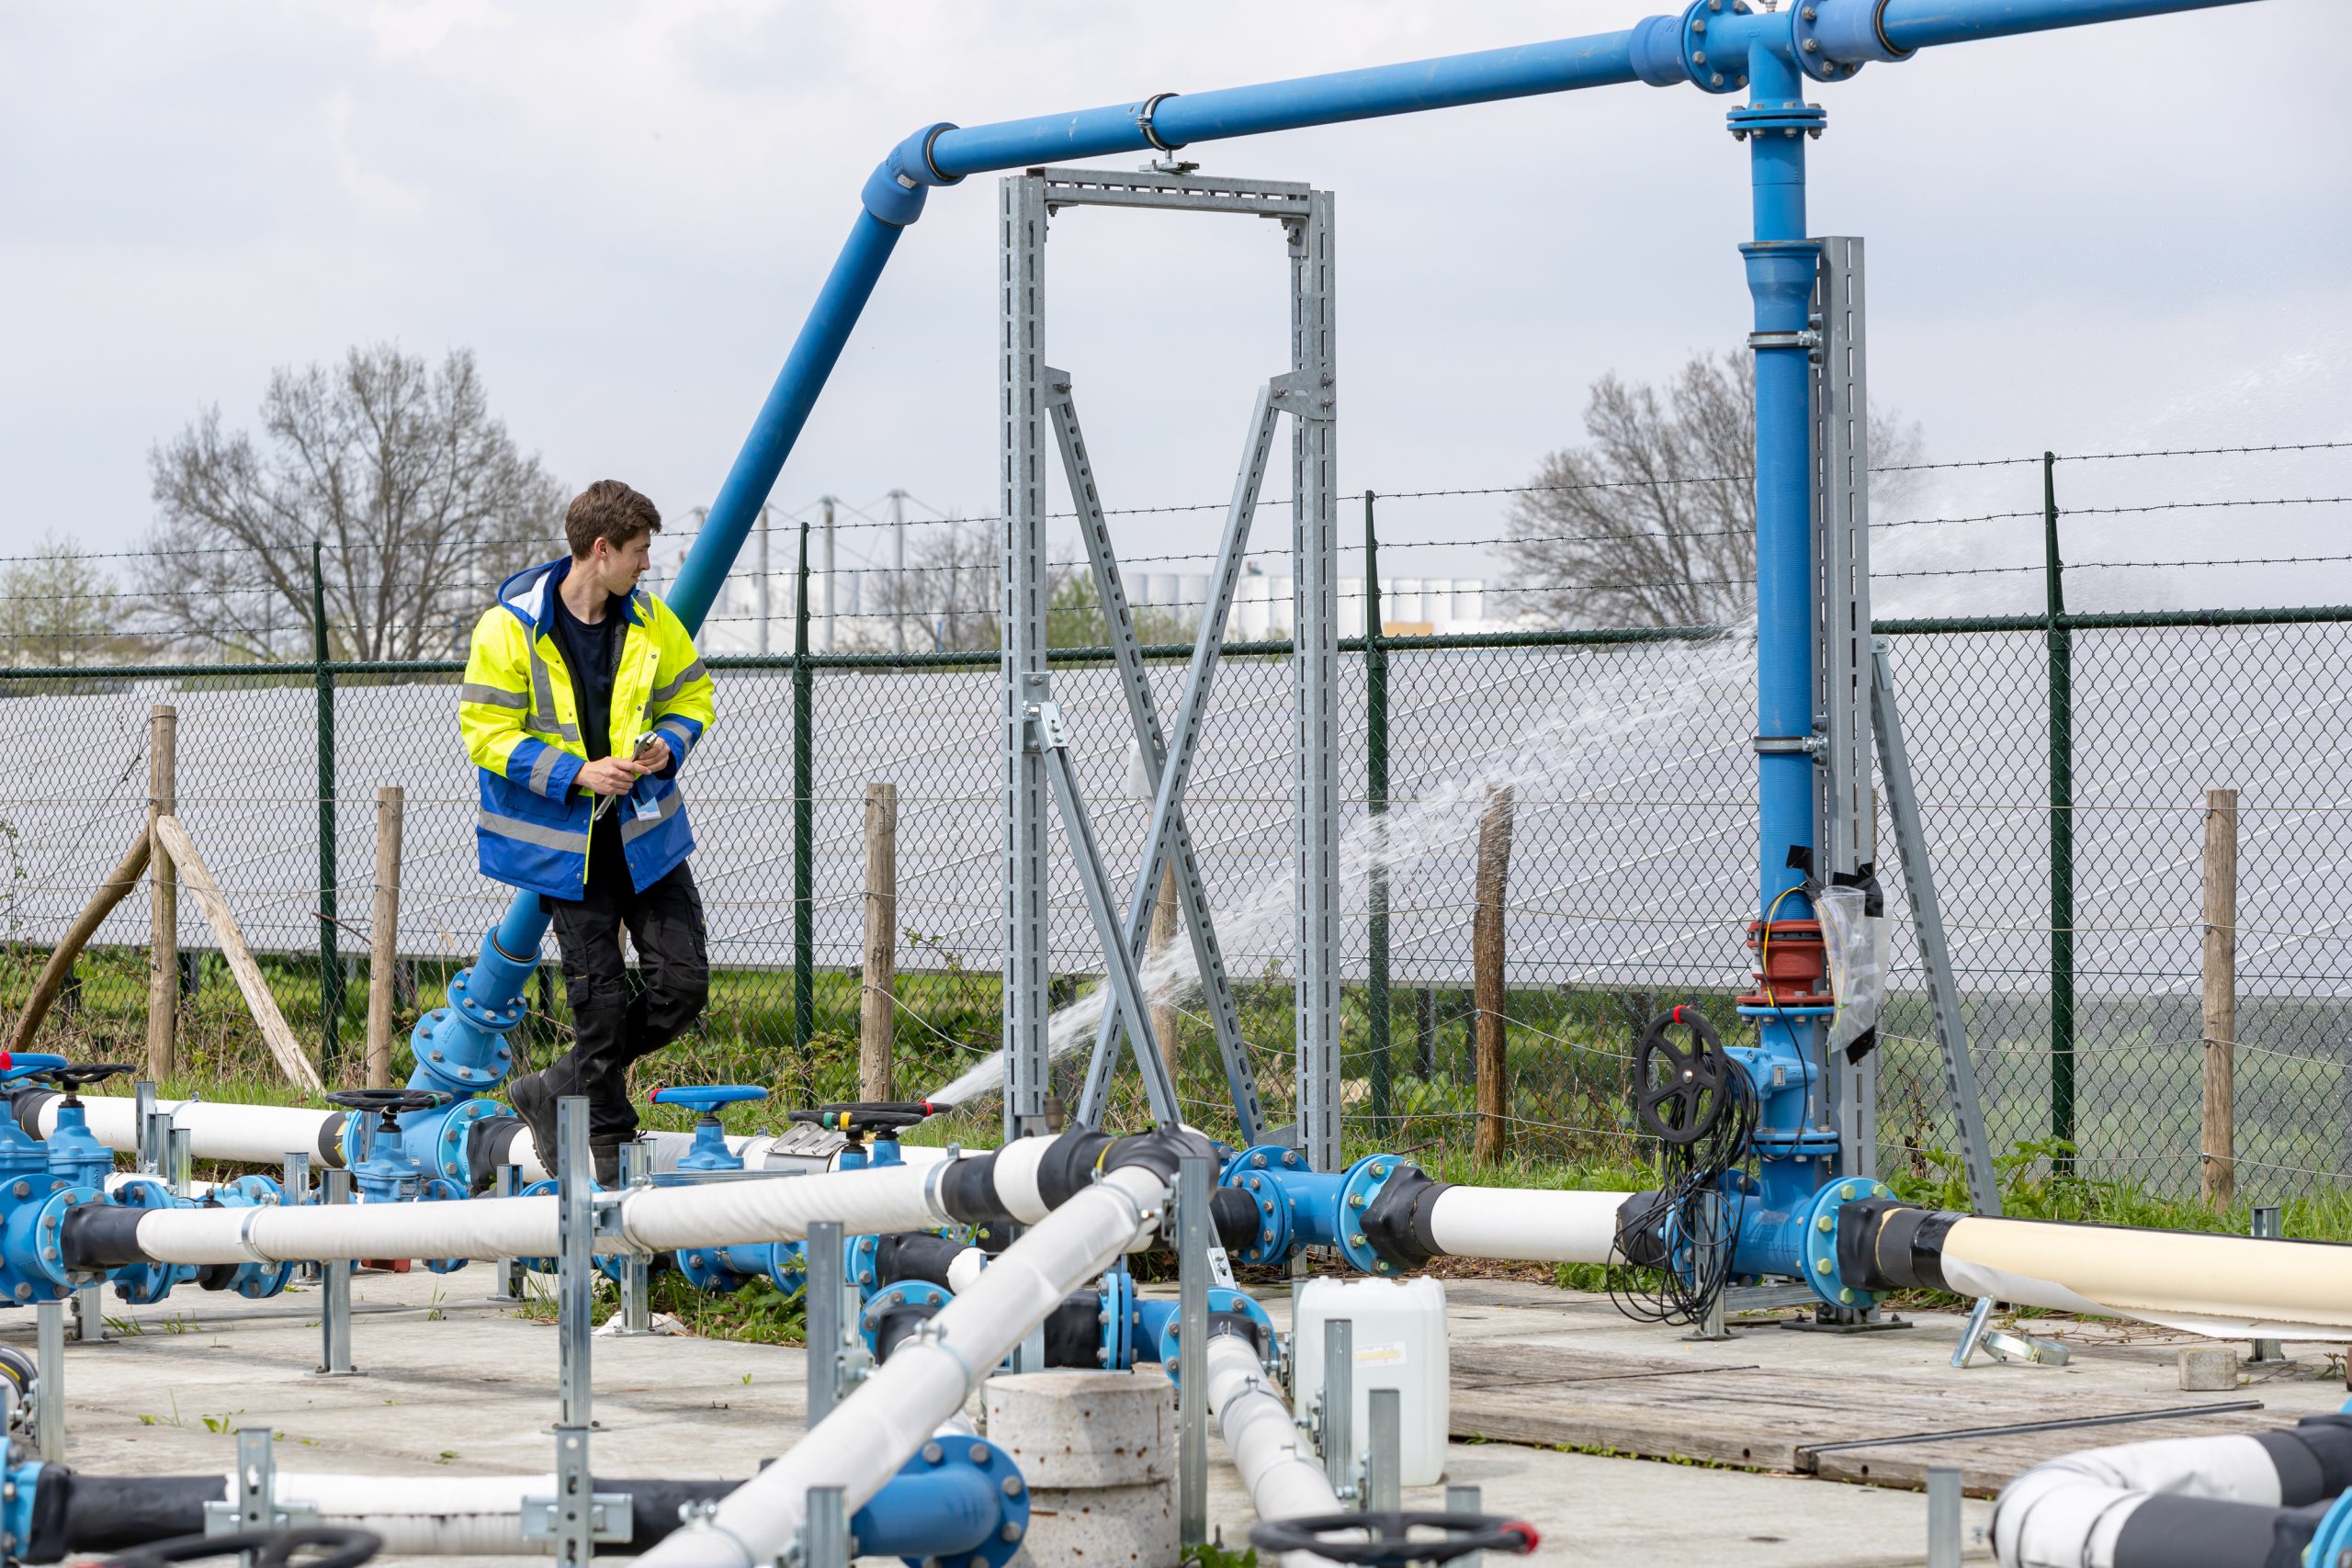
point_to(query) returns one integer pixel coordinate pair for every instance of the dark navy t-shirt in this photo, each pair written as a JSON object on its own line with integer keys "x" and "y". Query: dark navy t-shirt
{"x": 592, "y": 653}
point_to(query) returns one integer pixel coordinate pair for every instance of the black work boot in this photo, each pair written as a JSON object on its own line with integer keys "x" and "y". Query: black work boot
{"x": 607, "y": 1158}
{"x": 533, "y": 1096}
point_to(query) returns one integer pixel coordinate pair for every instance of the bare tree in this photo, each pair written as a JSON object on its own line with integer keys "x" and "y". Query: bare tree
{"x": 419, "y": 495}
{"x": 1653, "y": 523}
{"x": 948, "y": 592}
{"x": 60, "y": 607}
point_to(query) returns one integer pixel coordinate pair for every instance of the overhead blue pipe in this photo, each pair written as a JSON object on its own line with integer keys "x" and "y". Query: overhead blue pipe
{"x": 1922, "y": 24}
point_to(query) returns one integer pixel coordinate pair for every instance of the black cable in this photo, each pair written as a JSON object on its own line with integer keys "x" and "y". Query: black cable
{"x": 1704, "y": 1136}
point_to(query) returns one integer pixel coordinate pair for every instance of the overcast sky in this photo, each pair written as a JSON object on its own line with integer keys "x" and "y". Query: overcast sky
{"x": 2117, "y": 237}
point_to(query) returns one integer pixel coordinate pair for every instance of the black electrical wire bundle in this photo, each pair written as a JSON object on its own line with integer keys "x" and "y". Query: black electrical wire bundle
{"x": 1673, "y": 1252}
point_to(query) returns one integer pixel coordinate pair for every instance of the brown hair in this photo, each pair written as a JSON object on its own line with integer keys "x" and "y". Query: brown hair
{"x": 610, "y": 511}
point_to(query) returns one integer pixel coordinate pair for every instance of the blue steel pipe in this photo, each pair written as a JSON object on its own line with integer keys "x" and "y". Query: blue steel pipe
{"x": 1922, "y": 24}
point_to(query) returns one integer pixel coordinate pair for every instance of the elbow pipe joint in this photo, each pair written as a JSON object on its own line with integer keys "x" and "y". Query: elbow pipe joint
{"x": 1834, "y": 38}
{"x": 894, "y": 192}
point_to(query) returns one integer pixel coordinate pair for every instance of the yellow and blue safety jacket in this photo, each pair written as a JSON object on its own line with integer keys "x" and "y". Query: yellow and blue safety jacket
{"x": 521, "y": 730}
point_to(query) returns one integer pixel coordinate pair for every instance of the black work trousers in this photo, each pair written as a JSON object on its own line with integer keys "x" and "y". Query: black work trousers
{"x": 613, "y": 1028}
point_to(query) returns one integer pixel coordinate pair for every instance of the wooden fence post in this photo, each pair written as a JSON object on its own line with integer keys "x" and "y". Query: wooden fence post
{"x": 2217, "y": 1171}
{"x": 1487, "y": 967}
{"x": 878, "y": 996}
{"x": 1167, "y": 924}
{"x": 384, "y": 937}
{"x": 163, "y": 897}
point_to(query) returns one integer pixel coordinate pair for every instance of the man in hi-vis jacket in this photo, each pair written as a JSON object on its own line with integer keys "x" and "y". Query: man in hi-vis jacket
{"x": 582, "y": 698}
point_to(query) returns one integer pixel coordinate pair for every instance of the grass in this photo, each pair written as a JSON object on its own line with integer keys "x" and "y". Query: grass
{"x": 759, "y": 1314}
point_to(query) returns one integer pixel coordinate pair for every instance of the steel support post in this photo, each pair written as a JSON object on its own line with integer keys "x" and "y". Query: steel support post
{"x": 1052, "y": 744}
{"x": 1927, "y": 928}
{"x": 1195, "y": 1179}
{"x": 824, "y": 1530}
{"x": 1143, "y": 717}
{"x": 1465, "y": 1500}
{"x": 90, "y": 1315}
{"x": 1845, "y": 830}
{"x": 49, "y": 1382}
{"x": 2061, "y": 642}
{"x": 637, "y": 1269}
{"x": 2267, "y": 1351}
{"x": 1315, "y": 741}
{"x": 334, "y": 1289}
{"x": 148, "y": 1158}
{"x": 1335, "y": 1415}
{"x": 1943, "y": 1517}
{"x": 825, "y": 1293}
{"x": 575, "y": 1307}
{"x": 1375, "y": 788}
{"x": 1022, "y": 630}
{"x": 1385, "y": 1455}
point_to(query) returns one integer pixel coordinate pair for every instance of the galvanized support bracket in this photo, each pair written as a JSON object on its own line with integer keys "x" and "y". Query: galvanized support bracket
{"x": 823, "y": 1540}
{"x": 507, "y": 1272}
{"x": 612, "y": 1517}
{"x": 637, "y": 1274}
{"x": 253, "y": 1504}
{"x": 49, "y": 1382}
{"x": 573, "y": 1526}
{"x": 1384, "y": 1459}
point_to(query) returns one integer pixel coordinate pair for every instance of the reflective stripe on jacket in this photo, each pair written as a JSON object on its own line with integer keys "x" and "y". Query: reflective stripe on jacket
{"x": 522, "y": 729}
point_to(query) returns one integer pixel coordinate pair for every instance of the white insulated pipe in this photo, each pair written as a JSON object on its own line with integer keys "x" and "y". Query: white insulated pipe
{"x": 250, "y": 1134}
{"x": 2071, "y": 1512}
{"x": 266, "y": 1134}
{"x": 1283, "y": 1482}
{"x": 891, "y": 1198}
{"x": 1526, "y": 1224}
{"x": 927, "y": 1379}
{"x": 2231, "y": 1287}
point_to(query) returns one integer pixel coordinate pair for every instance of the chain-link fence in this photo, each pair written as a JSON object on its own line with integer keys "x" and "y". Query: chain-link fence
{"x": 2061, "y": 762}
{"x": 1627, "y": 764}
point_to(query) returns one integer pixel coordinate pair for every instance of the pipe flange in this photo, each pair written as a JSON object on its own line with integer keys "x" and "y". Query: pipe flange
{"x": 452, "y": 1140}
{"x": 708, "y": 1270}
{"x": 144, "y": 1284}
{"x": 1253, "y": 1170}
{"x": 901, "y": 1295}
{"x": 1118, "y": 1315}
{"x": 1357, "y": 1190}
{"x": 496, "y": 1020}
{"x": 1812, "y": 52}
{"x": 1150, "y": 133}
{"x": 1710, "y": 75}
{"x": 1008, "y": 1492}
{"x": 1819, "y": 1246}
{"x": 1222, "y": 1302}
{"x": 35, "y": 1268}
{"x": 1789, "y": 117}
{"x": 862, "y": 1263}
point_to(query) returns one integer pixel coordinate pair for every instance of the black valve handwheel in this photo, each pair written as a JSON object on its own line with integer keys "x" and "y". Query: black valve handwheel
{"x": 1386, "y": 1540}
{"x": 1680, "y": 1092}
{"x": 390, "y": 1102}
{"x": 75, "y": 1075}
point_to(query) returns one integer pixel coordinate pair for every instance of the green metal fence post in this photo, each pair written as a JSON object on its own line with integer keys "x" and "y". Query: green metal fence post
{"x": 2062, "y": 825}
{"x": 804, "y": 827}
{"x": 1375, "y": 769}
{"x": 329, "y": 955}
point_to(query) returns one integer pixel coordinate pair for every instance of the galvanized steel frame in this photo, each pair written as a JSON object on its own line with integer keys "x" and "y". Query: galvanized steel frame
{"x": 1034, "y": 395}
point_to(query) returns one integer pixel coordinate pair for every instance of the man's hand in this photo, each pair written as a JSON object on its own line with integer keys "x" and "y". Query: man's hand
{"x": 653, "y": 754}
{"x": 611, "y": 775}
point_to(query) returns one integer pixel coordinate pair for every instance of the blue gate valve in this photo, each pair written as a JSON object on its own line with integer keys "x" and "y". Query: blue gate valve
{"x": 382, "y": 1168}
{"x": 709, "y": 1151}
{"x": 21, "y": 1153}
{"x": 144, "y": 1284}
{"x": 73, "y": 1153}
{"x": 1299, "y": 1207}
